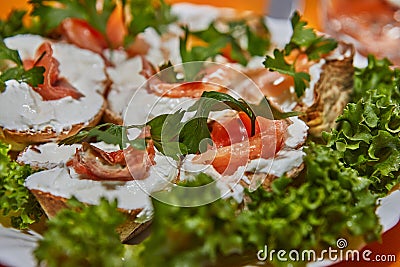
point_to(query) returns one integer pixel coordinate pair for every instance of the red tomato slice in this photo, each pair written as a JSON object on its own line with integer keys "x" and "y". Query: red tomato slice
{"x": 80, "y": 33}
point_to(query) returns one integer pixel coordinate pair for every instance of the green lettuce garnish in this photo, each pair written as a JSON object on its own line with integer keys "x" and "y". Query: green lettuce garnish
{"x": 377, "y": 74}
{"x": 328, "y": 202}
{"x": 16, "y": 201}
{"x": 84, "y": 236}
{"x": 368, "y": 138}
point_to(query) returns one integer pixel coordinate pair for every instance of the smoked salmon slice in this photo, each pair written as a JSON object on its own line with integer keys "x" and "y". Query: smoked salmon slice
{"x": 234, "y": 148}
{"x": 53, "y": 87}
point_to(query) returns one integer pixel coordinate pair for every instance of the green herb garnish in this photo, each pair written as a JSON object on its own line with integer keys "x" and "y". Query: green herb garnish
{"x": 378, "y": 73}
{"x": 13, "y": 24}
{"x": 240, "y": 39}
{"x": 52, "y": 12}
{"x": 306, "y": 41}
{"x": 155, "y": 14}
{"x": 33, "y": 76}
{"x": 172, "y": 135}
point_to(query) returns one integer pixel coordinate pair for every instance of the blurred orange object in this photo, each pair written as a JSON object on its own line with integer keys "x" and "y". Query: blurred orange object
{"x": 7, "y": 6}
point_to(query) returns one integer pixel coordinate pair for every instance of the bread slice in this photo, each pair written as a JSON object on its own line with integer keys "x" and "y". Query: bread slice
{"x": 327, "y": 94}
{"x": 57, "y": 183}
{"x": 331, "y": 92}
{"x": 27, "y": 117}
{"x": 24, "y": 138}
{"x": 52, "y": 204}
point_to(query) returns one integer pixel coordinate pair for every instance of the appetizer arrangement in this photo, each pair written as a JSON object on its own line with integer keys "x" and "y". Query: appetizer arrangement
{"x": 135, "y": 133}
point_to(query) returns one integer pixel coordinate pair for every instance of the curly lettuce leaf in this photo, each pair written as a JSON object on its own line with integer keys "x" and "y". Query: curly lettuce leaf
{"x": 329, "y": 202}
{"x": 368, "y": 137}
{"x": 378, "y": 73}
{"x": 84, "y": 236}
{"x": 16, "y": 201}
{"x": 305, "y": 39}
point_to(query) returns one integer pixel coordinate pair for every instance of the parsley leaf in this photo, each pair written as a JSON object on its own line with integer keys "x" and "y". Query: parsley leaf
{"x": 306, "y": 41}
{"x": 172, "y": 134}
{"x": 278, "y": 63}
{"x": 107, "y": 132}
{"x": 295, "y": 214}
{"x": 214, "y": 101}
{"x": 195, "y": 135}
{"x": 165, "y": 131}
{"x": 144, "y": 14}
{"x": 238, "y": 42}
{"x": 258, "y": 39}
{"x": 10, "y": 54}
{"x": 33, "y": 76}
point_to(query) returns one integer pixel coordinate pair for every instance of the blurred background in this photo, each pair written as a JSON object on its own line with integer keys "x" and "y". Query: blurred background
{"x": 372, "y": 25}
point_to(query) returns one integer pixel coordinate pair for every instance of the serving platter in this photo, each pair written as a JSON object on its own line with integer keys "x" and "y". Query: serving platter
{"x": 16, "y": 247}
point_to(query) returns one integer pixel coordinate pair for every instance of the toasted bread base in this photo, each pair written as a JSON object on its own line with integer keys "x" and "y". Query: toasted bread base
{"x": 52, "y": 204}
{"x": 20, "y": 139}
{"x": 332, "y": 93}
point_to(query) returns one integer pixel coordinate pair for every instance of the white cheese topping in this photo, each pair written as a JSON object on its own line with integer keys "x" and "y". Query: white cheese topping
{"x": 196, "y": 17}
{"x": 315, "y": 74}
{"x": 47, "y": 156}
{"x": 84, "y": 69}
{"x": 144, "y": 106}
{"x": 64, "y": 182}
{"x": 24, "y": 110}
{"x": 126, "y": 80}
